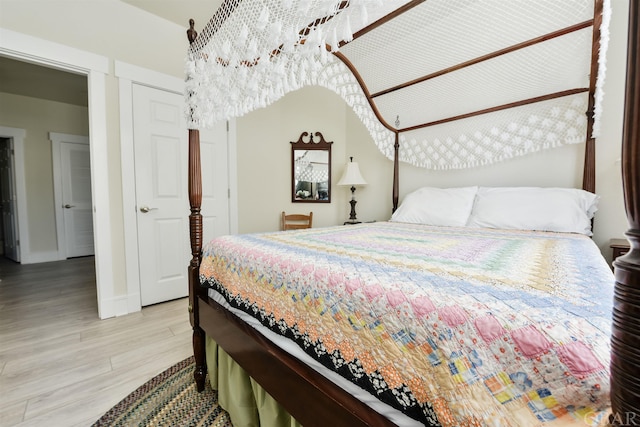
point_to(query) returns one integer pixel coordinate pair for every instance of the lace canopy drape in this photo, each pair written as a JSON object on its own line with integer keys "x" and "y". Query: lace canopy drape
{"x": 516, "y": 78}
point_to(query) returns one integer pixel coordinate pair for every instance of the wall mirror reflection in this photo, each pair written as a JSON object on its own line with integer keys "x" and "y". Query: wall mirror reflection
{"x": 311, "y": 168}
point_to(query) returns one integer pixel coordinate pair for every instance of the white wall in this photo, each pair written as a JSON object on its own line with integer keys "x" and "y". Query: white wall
{"x": 264, "y": 158}
{"x": 107, "y": 27}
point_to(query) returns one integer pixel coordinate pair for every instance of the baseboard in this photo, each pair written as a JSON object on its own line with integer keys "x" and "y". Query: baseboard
{"x": 114, "y": 307}
{"x": 133, "y": 302}
{"x": 38, "y": 257}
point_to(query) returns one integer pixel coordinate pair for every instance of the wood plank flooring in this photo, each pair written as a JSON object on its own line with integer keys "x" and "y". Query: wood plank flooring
{"x": 60, "y": 365}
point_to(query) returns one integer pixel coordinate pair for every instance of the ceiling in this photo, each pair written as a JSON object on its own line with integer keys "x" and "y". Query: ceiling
{"x": 179, "y": 11}
{"x": 25, "y": 79}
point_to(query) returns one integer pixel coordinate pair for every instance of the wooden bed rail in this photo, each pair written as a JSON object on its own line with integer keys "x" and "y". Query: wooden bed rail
{"x": 253, "y": 352}
{"x": 625, "y": 335}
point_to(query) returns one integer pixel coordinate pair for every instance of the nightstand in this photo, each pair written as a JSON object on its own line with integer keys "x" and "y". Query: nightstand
{"x": 619, "y": 247}
{"x": 358, "y": 222}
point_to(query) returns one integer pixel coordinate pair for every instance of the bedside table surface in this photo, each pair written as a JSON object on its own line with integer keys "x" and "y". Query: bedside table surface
{"x": 619, "y": 243}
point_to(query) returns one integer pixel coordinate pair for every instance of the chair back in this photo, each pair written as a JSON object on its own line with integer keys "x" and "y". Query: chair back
{"x": 296, "y": 221}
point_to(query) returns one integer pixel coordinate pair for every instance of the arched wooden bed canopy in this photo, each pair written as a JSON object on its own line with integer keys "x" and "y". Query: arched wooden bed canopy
{"x": 304, "y": 393}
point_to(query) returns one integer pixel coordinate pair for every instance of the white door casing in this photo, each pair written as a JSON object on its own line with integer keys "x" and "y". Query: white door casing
{"x": 9, "y": 201}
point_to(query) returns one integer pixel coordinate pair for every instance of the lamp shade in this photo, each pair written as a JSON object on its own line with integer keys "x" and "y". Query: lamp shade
{"x": 352, "y": 175}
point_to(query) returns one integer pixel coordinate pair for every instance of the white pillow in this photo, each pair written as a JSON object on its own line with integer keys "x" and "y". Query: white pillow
{"x": 532, "y": 208}
{"x": 436, "y": 206}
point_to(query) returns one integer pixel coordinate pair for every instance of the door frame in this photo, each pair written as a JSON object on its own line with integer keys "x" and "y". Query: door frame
{"x": 56, "y": 140}
{"x": 16, "y": 136}
{"x": 58, "y": 56}
{"x": 128, "y": 75}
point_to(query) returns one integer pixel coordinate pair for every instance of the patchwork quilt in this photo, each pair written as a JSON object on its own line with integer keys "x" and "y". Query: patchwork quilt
{"x": 452, "y": 326}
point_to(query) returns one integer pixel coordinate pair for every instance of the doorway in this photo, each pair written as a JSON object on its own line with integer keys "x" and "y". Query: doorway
{"x": 95, "y": 68}
{"x": 41, "y": 98}
{"x": 8, "y": 201}
{"x": 14, "y": 230}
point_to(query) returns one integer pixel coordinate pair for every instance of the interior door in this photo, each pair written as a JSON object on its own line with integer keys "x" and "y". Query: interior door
{"x": 75, "y": 166}
{"x": 8, "y": 201}
{"x": 162, "y": 203}
{"x": 214, "y": 145}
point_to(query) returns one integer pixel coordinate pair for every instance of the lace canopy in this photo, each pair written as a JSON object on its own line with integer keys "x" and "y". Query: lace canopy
{"x": 461, "y": 83}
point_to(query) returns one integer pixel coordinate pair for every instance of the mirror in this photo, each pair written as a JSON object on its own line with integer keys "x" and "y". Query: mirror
{"x": 311, "y": 169}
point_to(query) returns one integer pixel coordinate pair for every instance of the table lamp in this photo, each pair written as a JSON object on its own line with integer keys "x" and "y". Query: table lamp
{"x": 352, "y": 177}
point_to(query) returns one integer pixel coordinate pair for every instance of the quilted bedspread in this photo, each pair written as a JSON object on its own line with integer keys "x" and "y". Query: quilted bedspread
{"x": 453, "y": 326}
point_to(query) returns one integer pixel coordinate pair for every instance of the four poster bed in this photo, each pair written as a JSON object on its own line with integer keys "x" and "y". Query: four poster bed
{"x": 450, "y": 313}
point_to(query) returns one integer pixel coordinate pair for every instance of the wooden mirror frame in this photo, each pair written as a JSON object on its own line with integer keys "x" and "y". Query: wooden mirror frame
{"x": 315, "y": 142}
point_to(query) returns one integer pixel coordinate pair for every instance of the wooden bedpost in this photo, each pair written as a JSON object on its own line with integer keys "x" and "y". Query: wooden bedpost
{"x": 195, "y": 227}
{"x": 396, "y": 172}
{"x": 625, "y": 336}
{"x": 195, "y": 234}
{"x": 589, "y": 170}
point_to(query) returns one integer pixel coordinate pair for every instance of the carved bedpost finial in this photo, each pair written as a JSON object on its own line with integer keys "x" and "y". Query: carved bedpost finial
{"x": 191, "y": 32}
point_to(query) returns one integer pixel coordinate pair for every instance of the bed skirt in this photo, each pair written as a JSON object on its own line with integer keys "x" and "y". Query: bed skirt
{"x": 248, "y": 404}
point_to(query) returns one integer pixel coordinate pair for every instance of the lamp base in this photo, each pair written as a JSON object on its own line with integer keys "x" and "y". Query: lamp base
{"x": 352, "y": 214}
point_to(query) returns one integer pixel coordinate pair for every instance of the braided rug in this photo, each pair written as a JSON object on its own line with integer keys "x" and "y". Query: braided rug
{"x": 168, "y": 399}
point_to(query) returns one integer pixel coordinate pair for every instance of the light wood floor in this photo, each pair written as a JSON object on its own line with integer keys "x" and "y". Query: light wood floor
{"x": 60, "y": 365}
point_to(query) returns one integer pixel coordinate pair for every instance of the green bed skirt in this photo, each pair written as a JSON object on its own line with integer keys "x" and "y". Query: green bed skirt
{"x": 248, "y": 404}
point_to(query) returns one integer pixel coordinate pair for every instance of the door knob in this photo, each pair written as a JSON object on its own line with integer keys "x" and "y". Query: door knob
{"x": 68, "y": 206}
{"x": 145, "y": 209}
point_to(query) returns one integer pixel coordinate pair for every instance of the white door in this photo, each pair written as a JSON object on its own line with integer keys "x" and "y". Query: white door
{"x": 75, "y": 168}
{"x": 8, "y": 201}
{"x": 214, "y": 144}
{"x": 162, "y": 202}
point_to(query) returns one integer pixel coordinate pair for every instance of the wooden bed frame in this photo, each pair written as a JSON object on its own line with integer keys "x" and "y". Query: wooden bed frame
{"x": 315, "y": 401}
